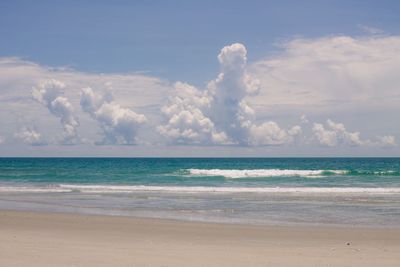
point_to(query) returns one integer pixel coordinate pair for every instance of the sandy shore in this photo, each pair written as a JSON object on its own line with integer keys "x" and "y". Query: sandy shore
{"x": 44, "y": 239}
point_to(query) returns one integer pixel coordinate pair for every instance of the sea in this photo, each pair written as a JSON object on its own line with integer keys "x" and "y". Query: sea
{"x": 356, "y": 192}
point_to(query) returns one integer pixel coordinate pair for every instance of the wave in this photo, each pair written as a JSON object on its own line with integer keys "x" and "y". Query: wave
{"x": 33, "y": 189}
{"x": 69, "y": 188}
{"x": 232, "y": 173}
{"x": 373, "y": 173}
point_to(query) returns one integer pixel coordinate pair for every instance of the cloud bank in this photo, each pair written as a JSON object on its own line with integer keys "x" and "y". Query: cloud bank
{"x": 329, "y": 75}
{"x": 348, "y": 79}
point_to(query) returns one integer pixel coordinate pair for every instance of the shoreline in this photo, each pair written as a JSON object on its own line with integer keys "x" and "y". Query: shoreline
{"x": 256, "y": 224}
{"x": 70, "y": 239}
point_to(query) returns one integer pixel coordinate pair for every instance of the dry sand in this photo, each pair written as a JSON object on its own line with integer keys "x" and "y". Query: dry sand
{"x": 45, "y": 239}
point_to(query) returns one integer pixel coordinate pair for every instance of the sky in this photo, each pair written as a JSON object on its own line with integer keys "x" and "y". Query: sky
{"x": 204, "y": 78}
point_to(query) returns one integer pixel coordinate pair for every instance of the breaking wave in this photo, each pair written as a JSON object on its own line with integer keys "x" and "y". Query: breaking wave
{"x": 75, "y": 188}
{"x": 263, "y": 173}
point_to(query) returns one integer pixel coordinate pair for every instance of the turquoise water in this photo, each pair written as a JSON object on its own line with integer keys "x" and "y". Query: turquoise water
{"x": 338, "y": 191}
{"x": 335, "y": 172}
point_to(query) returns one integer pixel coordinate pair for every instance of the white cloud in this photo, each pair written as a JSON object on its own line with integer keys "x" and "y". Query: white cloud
{"x": 330, "y": 75}
{"x": 30, "y": 136}
{"x": 387, "y": 141}
{"x": 352, "y": 138}
{"x": 303, "y": 118}
{"x": 336, "y": 77}
{"x": 228, "y": 109}
{"x": 186, "y": 121}
{"x": 335, "y": 134}
{"x": 50, "y": 94}
{"x": 144, "y": 94}
{"x": 119, "y": 124}
{"x": 371, "y": 30}
{"x": 220, "y": 114}
{"x": 324, "y": 136}
{"x": 269, "y": 133}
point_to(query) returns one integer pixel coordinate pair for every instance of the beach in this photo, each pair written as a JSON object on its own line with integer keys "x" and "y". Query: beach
{"x": 199, "y": 133}
{"x": 63, "y": 239}
{"x": 200, "y": 212}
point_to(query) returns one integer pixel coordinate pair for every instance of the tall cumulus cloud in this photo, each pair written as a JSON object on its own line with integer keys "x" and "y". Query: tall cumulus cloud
{"x": 219, "y": 114}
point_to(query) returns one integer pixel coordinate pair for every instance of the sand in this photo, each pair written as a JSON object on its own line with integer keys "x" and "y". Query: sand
{"x": 50, "y": 239}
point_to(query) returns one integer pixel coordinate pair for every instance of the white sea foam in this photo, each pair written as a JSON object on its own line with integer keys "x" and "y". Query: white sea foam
{"x": 68, "y": 188}
{"x": 234, "y": 173}
{"x": 33, "y": 189}
{"x": 209, "y": 189}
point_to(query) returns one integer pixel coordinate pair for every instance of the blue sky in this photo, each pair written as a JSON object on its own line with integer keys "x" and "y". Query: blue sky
{"x": 173, "y": 39}
{"x": 140, "y": 49}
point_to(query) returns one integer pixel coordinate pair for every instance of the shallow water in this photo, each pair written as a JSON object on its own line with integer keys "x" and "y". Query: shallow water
{"x": 337, "y": 191}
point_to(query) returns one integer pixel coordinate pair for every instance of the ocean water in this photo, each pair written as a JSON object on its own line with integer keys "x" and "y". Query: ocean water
{"x": 274, "y": 191}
